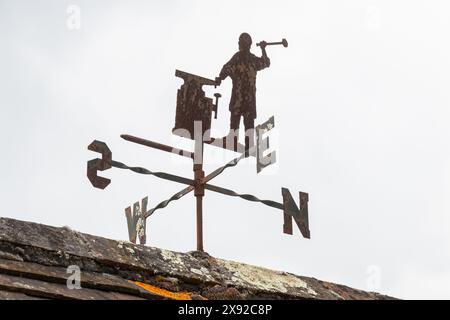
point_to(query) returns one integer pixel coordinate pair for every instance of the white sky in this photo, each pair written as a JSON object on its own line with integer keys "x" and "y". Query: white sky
{"x": 361, "y": 104}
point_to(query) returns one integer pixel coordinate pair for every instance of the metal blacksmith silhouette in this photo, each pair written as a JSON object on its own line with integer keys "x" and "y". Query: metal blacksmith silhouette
{"x": 193, "y": 120}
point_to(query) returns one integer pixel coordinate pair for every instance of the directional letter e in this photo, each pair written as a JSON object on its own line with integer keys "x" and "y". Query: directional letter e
{"x": 263, "y": 144}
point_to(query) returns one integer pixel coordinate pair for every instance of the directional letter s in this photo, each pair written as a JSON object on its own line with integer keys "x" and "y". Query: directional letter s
{"x": 102, "y": 164}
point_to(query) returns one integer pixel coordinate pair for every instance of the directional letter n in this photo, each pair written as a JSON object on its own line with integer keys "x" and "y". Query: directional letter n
{"x": 292, "y": 211}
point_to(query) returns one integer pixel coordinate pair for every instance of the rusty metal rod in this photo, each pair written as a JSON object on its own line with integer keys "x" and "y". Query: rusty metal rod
{"x": 245, "y": 196}
{"x": 161, "y": 175}
{"x": 215, "y": 142}
{"x": 199, "y": 223}
{"x": 191, "y": 183}
{"x": 214, "y": 188}
{"x": 231, "y": 163}
{"x": 199, "y": 190}
{"x": 157, "y": 145}
{"x": 209, "y": 177}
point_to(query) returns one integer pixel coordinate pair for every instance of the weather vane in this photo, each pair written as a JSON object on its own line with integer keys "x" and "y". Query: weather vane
{"x": 193, "y": 121}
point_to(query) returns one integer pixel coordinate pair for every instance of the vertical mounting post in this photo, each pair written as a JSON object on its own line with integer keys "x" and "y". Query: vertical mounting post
{"x": 199, "y": 187}
{"x": 199, "y": 192}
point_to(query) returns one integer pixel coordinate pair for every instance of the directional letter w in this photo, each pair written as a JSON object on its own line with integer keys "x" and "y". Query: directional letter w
{"x": 137, "y": 221}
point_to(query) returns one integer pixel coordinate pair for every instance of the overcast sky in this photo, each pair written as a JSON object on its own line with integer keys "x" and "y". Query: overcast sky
{"x": 361, "y": 103}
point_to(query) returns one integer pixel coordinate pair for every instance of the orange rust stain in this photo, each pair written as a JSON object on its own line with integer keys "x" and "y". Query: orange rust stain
{"x": 163, "y": 292}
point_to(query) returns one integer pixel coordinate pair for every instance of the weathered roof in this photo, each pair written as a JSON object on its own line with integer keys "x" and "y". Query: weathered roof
{"x": 34, "y": 259}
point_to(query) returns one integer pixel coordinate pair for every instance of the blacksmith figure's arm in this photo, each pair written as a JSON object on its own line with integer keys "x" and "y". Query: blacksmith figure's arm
{"x": 225, "y": 72}
{"x": 265, "y": 59}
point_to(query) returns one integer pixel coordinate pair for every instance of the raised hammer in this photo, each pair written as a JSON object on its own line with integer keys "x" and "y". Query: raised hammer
{"x": 283, "y": 42}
